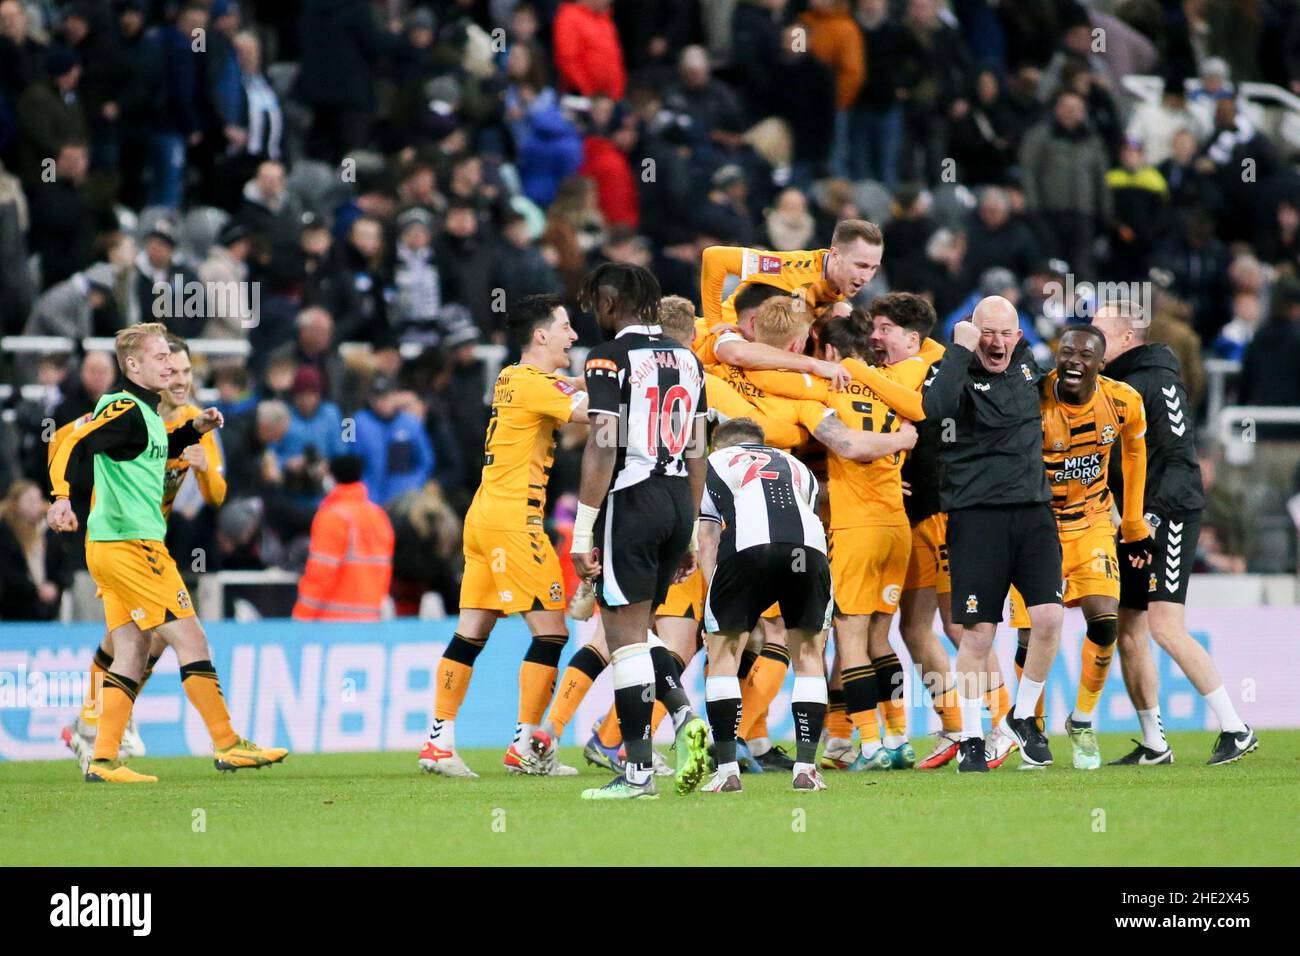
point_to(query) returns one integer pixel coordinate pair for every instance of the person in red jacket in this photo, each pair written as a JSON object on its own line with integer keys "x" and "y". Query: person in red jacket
{"x": 350, "y": 563}
{"x": 605, "y": 161}
{"x": 588, "y": 58}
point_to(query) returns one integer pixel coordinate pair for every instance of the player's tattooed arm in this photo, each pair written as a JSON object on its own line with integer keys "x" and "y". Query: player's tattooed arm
{"x": 863, "y": 446}
{"x": 707, "y": 556}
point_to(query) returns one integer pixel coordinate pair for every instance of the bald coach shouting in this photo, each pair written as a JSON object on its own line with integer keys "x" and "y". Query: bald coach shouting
{"x": 1000, "y": 525}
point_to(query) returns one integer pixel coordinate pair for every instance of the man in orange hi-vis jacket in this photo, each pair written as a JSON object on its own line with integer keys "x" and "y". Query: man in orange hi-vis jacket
{"x": 350, "y": 564}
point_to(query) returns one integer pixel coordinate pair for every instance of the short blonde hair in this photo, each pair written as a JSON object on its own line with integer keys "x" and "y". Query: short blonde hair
{"x": 131, "y": 341}
{"x": 780, "y": 319}
{"x": 677, "y": 317}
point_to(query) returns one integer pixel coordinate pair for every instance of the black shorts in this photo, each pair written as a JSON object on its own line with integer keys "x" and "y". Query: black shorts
{"x": 1173, "y": 550}
{"x": 643, "y": 532}
{"x": 794, "y": 576}
{"x": 990, "y": 549}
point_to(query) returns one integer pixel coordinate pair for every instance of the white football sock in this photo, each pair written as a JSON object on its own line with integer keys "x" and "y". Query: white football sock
{"x": 1153, "y": 730}
{"x": 869, "y": 748}
{"x": 444, "y": 734}
{"x": 1223, "y": 709}
{"x": 1081, "y": 716}
{"x": 759, "y": 745}
{"x": 894, "y": 742}
{"x": 729, "y": 769}
{"x": 972, "y": 716}
{"x": 1027, "y": 695}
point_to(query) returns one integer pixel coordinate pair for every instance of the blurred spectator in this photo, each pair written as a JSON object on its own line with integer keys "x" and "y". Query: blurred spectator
{"x": 834, "y": 38}
{"x": 994, "y": 238}
{"x": 349, "y": 568}
{"x": 1139, "y": 198}
{"x": 1172, "y": 325}
{"x": 697, "y": 94}
{"x": 95, "y": 376}
{"x": 1236, "y": 335}
{"x": 588, "y": 57}
{"x": 161, "y": 280}
{"x": 1239, "y": 157}
{"x": 259, "y": 119}
{"x": 524, "y": 267}
{"x": 1189, "y": 186}
{"x": 313, "y": 347}
{"x": 79, "y": 306}
{"x": 1063, "y": 165}
{"x": 468, "y": 269}
{"x": 315, "y": 436}
{"x": 1225, "y": 528}
{"x": 20, "y": 52}
{"x": 427, "y": 549}
{"x": 725, "y": 213}
{"x": 63, "y": 221}
{"x": 1103, "y": 112}
{"x": 982, "y": 139}
{"x": 1199, "y": 263}
{"x": 415, "y": 279}
{"x": 876, "y": 122}
{"x": 548, "y": 146}
{"x": 1280, "y": 241}
{"x": 239, "y": 536}
{"x": 1270, "y": 368}
{"x": 15, "y": 222}
{"x": 34, "y": 572}
{"x": 788, "y": 224}
{"x": 176, "y": 86}
{"x": 225, "y": 276}
{"x": 907, "y": 233}
{"x": 339, "y": 47}
{"x": 1215, "y": 85}
{"x": 756, "y": 29}
{"x": 935, "y": 70}
{"x": 1156, "y": 123}
{"x": 805, "y": 99}
{"x": 269, "y": 210}
{"x": 49, "y": 116}
{"x": 361, "y": 291}
{"x": 254, "y": 471}
{"x": 393, "y": 444}
{"x": 605, "y": 162}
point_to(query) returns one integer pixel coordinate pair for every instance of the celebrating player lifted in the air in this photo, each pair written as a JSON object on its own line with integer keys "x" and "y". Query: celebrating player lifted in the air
{"x": 128, "y": 446}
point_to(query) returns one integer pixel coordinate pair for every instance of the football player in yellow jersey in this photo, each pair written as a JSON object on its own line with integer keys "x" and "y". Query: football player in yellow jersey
{"x": 678, "y": 618}
{"x": 1084, "y": 415}
{"x": 510, "y": 565}
{"x": 204, "y": 459}
{"x": 825, "y": 276}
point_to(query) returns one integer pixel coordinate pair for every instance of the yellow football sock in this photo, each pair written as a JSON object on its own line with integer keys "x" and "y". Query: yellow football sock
{"x": 998, "y": 701}
{"x": 583, "y": 669}
{"x": 610, "y": 734}
{"x": 949, "y": 708}
{"x": 204, "y": 691}
{"x": 118, "y": 699}
{"x": 1095, "y": 664}
{"x": 92, "y": 705}
{"x": 454, "y": 672}
{"x": 760, "y": 689}
{"x": 838, "y": 724}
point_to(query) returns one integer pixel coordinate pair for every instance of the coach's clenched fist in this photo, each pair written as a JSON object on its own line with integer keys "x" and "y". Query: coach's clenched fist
{"x": 966, "y": 334}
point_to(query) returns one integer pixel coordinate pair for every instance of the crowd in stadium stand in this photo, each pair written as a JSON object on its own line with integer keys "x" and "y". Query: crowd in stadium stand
{"x": 395, "y": 173}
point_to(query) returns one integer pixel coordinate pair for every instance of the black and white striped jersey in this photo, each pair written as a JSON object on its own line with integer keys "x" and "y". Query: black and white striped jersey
{"x": 761, "y": 495}
{"x": 650, "y": 388}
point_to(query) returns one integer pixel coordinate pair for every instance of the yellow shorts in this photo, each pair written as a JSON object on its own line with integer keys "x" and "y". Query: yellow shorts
{"x": 928, "y": 566}
{"x": 139, "y": 582}
{"x": 685, "y": 599}
{"x": 868, "y": 566}
{"x": 1089, "y": 567}
{"x": 510, "y": 571}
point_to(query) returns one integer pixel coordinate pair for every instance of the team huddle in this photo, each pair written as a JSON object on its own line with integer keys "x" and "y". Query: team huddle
{"x": 954, "y": 477}
{"x": 784, "y": 471}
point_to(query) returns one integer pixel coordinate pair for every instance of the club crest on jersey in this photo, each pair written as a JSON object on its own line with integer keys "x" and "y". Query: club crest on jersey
{"x": 1059, "y": 446}
{"x": 557, "y": 592}
{"x": 1151, "y": 584}
{"x": 1024, "y": 370}
{"x": 972, "y": 604}
{"x": 183, "y": 598}
{"x": 1107, "y": 434}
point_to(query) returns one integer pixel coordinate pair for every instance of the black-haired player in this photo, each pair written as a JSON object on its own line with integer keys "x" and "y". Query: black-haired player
{"x": 642, "y": 478}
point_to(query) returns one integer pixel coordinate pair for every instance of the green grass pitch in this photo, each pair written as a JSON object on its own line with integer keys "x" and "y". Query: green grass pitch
{"x": 377, "y": 809}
